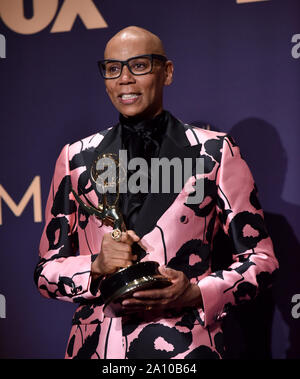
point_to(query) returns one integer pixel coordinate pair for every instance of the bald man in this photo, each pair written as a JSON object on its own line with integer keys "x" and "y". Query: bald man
{"x": 77, "y": 252}
{"x": 148, "y": 103}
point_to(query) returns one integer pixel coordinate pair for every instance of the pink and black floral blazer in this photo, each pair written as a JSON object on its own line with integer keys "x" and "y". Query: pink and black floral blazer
{"x": 181, "y": 235}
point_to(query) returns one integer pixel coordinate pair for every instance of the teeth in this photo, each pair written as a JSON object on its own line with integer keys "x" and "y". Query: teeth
{"x": 129, "y": 96}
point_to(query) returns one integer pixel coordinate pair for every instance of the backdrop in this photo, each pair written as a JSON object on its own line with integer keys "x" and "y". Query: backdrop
{"x": 237, "y": 68}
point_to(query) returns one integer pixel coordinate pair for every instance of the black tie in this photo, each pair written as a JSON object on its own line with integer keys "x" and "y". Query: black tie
{"x": 140, "y": 139}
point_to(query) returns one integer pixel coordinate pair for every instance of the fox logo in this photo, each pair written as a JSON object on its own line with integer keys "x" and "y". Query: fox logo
{"x": 12, "y": 14}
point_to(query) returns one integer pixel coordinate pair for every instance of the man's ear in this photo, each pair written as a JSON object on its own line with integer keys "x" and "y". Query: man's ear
{"x": 169, "y": 70}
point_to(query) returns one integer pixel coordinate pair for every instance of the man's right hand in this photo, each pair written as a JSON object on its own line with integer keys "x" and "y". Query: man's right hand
{"x": 114, "y": 255}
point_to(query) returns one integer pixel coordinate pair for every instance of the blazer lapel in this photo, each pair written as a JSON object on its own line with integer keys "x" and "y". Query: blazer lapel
{"x": 175, "y": 145}
{"x": 111, "y": 143}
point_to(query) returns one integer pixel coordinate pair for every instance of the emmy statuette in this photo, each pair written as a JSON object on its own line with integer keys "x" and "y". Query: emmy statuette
{"x": 122, "y": 284}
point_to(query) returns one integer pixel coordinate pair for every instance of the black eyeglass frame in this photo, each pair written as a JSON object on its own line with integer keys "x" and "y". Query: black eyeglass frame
{"x": 126, "y": 63}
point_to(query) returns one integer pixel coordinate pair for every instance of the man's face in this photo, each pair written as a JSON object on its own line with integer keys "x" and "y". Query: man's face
{"x": 137, "y": 95}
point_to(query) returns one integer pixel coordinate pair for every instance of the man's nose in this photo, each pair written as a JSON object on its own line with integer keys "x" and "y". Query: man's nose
{"x": 126, "y": 76}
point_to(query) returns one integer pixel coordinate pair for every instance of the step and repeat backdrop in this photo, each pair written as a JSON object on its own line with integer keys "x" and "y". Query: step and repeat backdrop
{"x": 237, "y": 69}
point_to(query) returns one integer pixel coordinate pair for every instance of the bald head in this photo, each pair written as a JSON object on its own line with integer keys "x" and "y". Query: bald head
{"x": 137, "y": 94}
{"x": 142, "y": 40}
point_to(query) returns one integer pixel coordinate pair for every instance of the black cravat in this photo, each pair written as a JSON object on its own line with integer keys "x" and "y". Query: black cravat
{"x": 141, "y": 138}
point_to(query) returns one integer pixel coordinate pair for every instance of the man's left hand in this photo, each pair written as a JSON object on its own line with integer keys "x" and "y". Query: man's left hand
{"x": 180, "y": 294}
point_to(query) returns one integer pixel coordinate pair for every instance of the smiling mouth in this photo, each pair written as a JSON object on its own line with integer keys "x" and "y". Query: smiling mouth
{"x": 129, "y": 98}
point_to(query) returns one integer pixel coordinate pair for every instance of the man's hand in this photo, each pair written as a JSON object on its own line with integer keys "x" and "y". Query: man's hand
{"x": 114, "y": 255}
{"x": 181, "y": 293}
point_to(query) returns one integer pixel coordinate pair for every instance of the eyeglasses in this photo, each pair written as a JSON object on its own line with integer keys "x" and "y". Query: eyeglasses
{"x": 139, "y": 65}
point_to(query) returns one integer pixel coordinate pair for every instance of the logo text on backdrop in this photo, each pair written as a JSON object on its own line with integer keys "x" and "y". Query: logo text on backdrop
{"x": 12, "y": 14}
{"x": 34, "y": 191}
